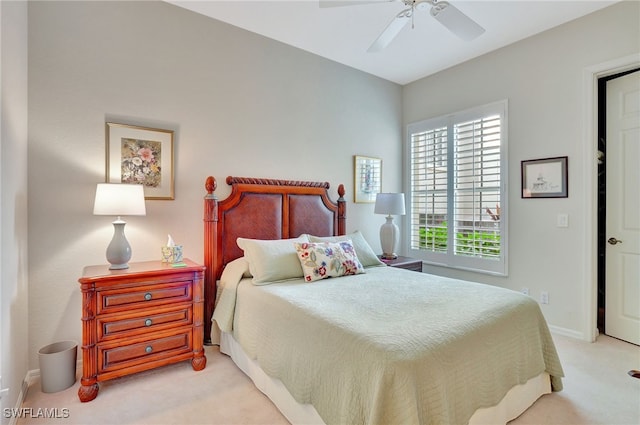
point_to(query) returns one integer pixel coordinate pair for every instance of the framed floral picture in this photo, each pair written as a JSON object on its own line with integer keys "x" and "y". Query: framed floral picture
{"x": 141, "y": 155}
{"x": 367, "y": 178}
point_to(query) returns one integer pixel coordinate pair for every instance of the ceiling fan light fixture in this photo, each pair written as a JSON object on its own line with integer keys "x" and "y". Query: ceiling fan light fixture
{"x": 423, "y": 4}
{"x": 445, "y": 13}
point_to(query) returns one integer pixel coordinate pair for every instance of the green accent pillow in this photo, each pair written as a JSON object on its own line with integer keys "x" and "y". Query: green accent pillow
{"x": 272, "y": 260}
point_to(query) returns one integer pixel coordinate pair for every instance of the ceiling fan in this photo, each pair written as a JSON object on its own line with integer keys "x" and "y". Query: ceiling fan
{"x": 444, "y": 12}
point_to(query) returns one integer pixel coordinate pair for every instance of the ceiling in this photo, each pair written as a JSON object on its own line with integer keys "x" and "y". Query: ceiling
{"x": 343, "y": 34}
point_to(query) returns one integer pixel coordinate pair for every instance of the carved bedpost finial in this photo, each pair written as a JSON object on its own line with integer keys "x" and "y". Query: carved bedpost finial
{"x": 210, "y": 254}
{"x": 342, "y": 211}
{"x": 210, "y": 185}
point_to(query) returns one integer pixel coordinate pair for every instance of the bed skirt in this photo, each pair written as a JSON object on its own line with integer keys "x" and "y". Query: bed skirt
{"x": 515, "y": 402}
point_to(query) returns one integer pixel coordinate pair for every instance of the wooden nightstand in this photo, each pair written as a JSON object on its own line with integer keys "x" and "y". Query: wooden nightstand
{"x": 139, "y": 318}
{"x": 404, "y": 263}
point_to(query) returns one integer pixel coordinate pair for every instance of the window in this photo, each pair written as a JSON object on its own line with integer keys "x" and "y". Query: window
{"x": 457, "y": 189}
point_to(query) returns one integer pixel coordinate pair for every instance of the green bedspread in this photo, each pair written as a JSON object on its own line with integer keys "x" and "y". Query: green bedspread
{"x": 391, "y": 346}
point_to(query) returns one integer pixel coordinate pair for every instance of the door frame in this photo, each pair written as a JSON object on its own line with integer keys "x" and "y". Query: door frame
{"x": 590, "y": 177}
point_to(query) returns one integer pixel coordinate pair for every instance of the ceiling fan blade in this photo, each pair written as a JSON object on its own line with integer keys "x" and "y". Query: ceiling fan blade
{"x": 456, "y": 21}
{"x": 340, "y": 3}
{"x": 391, "y": 31}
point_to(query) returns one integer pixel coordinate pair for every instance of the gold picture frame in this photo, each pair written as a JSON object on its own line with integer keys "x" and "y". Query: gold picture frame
{"x": 141, "y": 155}
{"x": 367, "y": 178}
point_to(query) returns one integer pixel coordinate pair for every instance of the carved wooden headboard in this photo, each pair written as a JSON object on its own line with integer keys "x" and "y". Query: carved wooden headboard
{"x": 262, "y": 209}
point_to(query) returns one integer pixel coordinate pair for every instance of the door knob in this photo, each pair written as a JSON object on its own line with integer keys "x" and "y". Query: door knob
{"x": 614, "y": 241}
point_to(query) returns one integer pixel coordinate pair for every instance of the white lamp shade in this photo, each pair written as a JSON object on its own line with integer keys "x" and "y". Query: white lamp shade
{"x": 390, "y": 203}
{"x": 119, "y": 199}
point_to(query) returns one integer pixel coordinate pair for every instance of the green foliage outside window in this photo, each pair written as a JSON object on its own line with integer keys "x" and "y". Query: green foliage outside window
{"x": 475, "y": 243}
{"x": 434, "y": 238}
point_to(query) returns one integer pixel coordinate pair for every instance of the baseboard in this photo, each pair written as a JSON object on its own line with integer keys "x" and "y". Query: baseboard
{"x": 30, "y": 378}
{"x": 13, "y": 420}
{"x": 568, "y": 332}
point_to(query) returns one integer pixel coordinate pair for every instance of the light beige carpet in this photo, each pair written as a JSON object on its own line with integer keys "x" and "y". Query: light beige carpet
{"x": 597, "y": 390}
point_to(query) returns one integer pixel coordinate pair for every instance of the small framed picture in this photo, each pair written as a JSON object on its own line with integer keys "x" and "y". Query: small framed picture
{"x": 545, "y": 178}
{"x": 141, "y": 155}
{"x": 367, "y": 178}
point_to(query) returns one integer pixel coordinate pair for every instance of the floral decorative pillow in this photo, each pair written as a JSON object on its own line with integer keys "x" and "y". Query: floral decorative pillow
{"x": 364, "y": 251}
{"x": 320, "y": 260}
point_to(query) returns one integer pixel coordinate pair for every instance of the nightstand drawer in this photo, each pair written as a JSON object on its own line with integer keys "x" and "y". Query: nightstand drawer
{"x": 144, "y": 321}
{"x": 114, "y": 300}
{"x": 118, "y": 356}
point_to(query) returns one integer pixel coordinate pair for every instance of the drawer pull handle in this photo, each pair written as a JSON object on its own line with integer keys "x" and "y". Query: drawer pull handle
{"x": 148, "y": 349}
{"x": 148, "y": 322}
{"x": 147, "y": 296}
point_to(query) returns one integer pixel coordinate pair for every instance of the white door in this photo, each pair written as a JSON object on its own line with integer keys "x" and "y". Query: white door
{"x": 622, "y": 317}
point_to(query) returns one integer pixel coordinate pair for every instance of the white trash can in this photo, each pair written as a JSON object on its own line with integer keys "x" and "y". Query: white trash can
{"x": 58, "y": 366}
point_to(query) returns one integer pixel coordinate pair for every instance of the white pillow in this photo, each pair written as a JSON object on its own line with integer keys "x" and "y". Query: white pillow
{"x": 365, "y": 253}
{"x": 321, "y": 260}
{"x": 272, "y": 260}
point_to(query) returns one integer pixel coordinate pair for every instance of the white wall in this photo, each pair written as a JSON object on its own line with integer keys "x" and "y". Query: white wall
{"x": 542, "y": 77}
{"x": 240, "y": 104}
{"x": 14, "y": 314}
{"x": 245, "y": 105}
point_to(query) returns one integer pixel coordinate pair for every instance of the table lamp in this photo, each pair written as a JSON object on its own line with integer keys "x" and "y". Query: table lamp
{"x": 119, "y": 199}
{"x": 390, "y": 204}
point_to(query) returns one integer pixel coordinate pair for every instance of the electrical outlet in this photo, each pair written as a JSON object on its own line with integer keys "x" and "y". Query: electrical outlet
{"x": 563, "y": 220}
{"x": 525, "y": 291}
{"x": 544, "y": 297}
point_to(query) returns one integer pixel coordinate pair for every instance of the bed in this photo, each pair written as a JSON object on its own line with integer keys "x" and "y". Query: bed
{"x": 372, "y": 344}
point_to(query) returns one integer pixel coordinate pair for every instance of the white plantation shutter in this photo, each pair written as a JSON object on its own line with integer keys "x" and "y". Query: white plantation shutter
{"x": 428, "y": 187}
{"x": 457, "y": 189}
